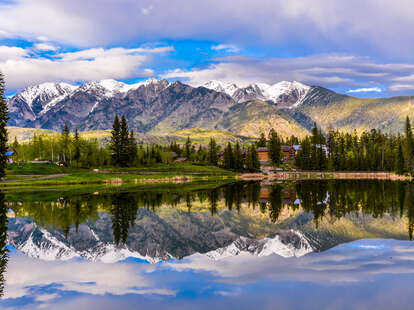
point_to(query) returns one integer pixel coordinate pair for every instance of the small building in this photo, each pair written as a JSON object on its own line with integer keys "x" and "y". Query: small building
{"x": 289, "y": 152}
{"x": 263, "y": 154}
{"x": 10, "y": 155}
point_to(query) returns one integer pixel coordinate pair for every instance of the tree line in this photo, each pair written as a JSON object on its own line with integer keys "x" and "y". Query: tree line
{"x": 370, "y": 151}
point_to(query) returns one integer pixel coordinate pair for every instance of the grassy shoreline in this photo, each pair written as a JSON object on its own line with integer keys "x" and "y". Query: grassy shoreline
{"x": 28, "y": 175}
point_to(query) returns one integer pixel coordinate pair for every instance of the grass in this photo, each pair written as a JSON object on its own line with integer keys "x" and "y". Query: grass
{"x": 28, "y": 175}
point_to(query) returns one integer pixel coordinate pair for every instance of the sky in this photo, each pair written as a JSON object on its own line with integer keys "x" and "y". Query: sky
{"x": 361, "y": 48}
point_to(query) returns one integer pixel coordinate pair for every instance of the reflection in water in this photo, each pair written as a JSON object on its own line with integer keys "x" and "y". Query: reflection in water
{"x": 3, "y": 238}
{"x": 139, "y": 219}
{"x": 229, "y": 233}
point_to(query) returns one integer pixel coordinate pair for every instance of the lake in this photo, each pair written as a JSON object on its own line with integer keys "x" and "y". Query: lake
{"x": 342, "y": 244}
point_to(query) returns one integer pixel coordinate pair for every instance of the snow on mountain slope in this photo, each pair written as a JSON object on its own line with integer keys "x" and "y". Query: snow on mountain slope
{"x": 110, "y": 87}
{"x": 45, "y": 92}
{"x": 290, "y": 94}
{"x": 286, "y": 244}
{"x": 43, "y": 97}
{"x": 223, "y": 87}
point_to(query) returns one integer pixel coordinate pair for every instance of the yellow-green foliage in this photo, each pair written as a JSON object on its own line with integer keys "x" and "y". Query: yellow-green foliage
{"x": 26, "y": 134}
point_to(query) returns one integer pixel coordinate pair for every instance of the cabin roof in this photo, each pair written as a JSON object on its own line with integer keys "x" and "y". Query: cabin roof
{"x": 262, "y": 149}
{"x": 286, "y": 148}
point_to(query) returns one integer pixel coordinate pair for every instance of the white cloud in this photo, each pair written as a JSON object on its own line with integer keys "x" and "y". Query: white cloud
{"x": 22, "y": 69}
{"x": 329, "y": 70}
{"x": 42, "y": 38}
{"x": 371, "y": 26}
{"x": 365, "y": 90}
{"x": 12, "y": 53}
{"x": 226, "y": 47}
{"x": 401, "y": 87}
{"x": 45, "y": 47}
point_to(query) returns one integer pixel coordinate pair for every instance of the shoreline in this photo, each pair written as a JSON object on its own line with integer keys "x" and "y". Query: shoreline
{"x": 323, "y": 175}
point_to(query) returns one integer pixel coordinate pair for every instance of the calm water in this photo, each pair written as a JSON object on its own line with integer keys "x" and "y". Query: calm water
{"x": 305, "y": 245}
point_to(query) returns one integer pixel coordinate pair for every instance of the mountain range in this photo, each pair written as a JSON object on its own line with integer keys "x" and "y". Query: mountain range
{"x": 160, "y": 106}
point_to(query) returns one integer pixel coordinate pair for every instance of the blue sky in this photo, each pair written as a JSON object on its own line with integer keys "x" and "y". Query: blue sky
{"x": 363, "y": 48}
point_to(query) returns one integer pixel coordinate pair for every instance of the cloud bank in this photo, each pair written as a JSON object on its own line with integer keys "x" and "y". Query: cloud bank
{"x": 22, "y": 67}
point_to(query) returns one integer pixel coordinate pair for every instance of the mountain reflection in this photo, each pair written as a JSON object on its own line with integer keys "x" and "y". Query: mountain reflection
{"x": 179, "y": 221}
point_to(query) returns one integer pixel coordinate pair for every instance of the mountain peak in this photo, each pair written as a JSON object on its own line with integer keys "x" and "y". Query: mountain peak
{"x": 45, "y": 92}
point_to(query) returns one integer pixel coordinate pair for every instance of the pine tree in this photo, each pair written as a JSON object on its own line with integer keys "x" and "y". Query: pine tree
{"x": 228, "y": 158}
{"x": 399, "y": 164}
{"x": 255, "y": 159}
{"x": 303, "y": 158}
{"x": 274, "y": 147}
{"x": 409, "y": 146}
{"x": 212, "y": 152}
{"x": 238, "y": 158}
{"x": 262, "y": 140}
{"x": 252, "y": 160}
{"x": 132, "y": 148}
{"x": 76, "y": 148}
{"x": 4, "y": 117}
{"x": 124, "y": 143}
{"x": 187, "y": 148}
{"x": 116, "y": 142}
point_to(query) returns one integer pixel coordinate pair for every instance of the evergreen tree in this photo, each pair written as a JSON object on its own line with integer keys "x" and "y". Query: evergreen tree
{"x": 76, "y": 148}
{"x": 274, "y": 147}
{"x": 303, "y": 158}
{"x": 252, "y": 160}
{"x": 409, "y": 146}
{"x": 212, "y": 152}
{"x": 132, "y": 148}
{"x": 124, "y": 143}
{"x": 228, "y": 158}
{"x": 4, "y": 117}
{"x": 187, "y": 148}
{"x": 238, "y": 158}
{"x": 262, "y": 140}
{"x": 399, "y": 164}
{"x": 116, "y": 141}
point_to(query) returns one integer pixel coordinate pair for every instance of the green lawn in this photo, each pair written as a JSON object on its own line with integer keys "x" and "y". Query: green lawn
{"x": 25, "y": 175}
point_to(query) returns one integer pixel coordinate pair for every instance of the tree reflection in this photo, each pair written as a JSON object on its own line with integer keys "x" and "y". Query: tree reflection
{"x": 332, "y": 199}
{"x": 124, "y": 212}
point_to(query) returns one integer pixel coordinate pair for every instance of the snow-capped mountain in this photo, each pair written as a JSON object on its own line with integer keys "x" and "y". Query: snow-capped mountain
{"x": 286, "y": 94}
{"x": 288, "y": 243}
{"x": 160, "y": 106}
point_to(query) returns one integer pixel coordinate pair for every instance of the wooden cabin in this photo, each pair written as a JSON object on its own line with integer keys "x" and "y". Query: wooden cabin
{"x": 289, "y": 152}
{"x": 263, "y": 154}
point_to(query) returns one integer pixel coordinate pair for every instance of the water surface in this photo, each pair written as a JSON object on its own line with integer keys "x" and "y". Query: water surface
{"x": 306, "y": 245}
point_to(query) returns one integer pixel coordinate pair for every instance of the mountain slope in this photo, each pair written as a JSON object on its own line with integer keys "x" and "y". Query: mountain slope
{"x": 346, "y": 113}
{"x": 254, "y": 117}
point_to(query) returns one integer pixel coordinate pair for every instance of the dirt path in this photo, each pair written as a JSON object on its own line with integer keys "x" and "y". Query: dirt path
{"x": 36, "y": 177}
